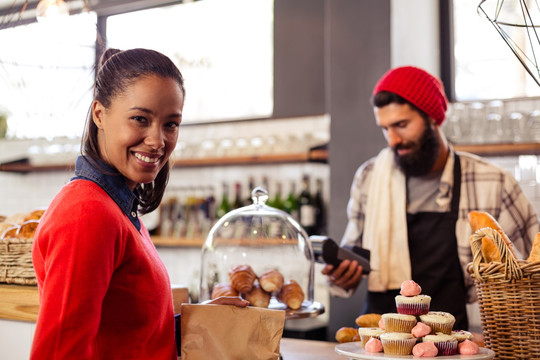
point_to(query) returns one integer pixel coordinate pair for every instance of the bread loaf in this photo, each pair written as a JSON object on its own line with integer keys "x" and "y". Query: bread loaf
{"x": 242, "y": 278}
{"x": 480, "y": 220}
{"x": 257, "y": 297}
{"x": 535, "y": 251}
{"x": 347, "y": 334}
{"x": 368, "y": 320}
{"x": 291, "y": 294}
{"x": 271, "y": 280}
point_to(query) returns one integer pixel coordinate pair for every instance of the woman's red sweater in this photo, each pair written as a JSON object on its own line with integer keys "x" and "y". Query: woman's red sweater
{"x": 104, "y": 292}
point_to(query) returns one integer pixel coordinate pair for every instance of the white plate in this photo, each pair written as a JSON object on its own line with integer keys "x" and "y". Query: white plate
{"x": 354, "y": 350}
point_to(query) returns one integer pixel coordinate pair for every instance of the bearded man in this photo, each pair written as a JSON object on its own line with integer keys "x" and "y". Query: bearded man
{"x": 409, "y": 204}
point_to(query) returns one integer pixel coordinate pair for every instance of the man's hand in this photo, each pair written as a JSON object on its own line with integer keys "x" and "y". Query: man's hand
{"x": 347, "y": 275}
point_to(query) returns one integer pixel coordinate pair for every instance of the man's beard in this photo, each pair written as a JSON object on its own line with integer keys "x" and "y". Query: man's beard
{"x": 420, "y": 160}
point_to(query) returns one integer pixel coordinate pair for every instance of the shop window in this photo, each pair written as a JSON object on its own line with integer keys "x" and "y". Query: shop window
{"x": 484, "y": 65}
{"x": 46, "y": 76}
{"x": 223, "y": 48}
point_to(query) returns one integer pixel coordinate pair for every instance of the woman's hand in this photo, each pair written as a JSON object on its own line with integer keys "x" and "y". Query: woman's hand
{"x": 228, "y": 300}
{"x": 347, "y": 275}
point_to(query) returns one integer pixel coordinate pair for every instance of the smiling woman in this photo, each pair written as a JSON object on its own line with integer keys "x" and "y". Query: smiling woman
{"x": 93, "y": 258}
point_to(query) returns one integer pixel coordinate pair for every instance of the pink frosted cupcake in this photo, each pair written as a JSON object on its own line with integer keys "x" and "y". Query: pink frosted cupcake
{"x": 367, "y": 333}
{"x": 446, "y": 344}
{"x": 462, "y": 335}
{"x": 413, "y": 305}
{"x": 397, "y": 343}
{"x": 398, "y": 322}
{"x": 439, "y": 321}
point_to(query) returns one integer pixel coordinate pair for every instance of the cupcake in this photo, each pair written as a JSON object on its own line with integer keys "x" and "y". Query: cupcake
{"x": 398, "y": 322}
{"x": 369, "y": 332}
{"x": 439, "y": 321}
{"x": 446, "y": 344}
{"x": 396, "y": 343}
{"x": 413, "y": 305}
{"x": 461, "y": 335}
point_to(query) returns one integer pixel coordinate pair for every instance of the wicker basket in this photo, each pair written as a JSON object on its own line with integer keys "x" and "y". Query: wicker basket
{"x": 509, "y": 300}
{"x": 16, "y": 261}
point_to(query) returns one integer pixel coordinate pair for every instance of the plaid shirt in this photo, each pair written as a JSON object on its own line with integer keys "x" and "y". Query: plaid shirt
{"x": 484, "y": 187}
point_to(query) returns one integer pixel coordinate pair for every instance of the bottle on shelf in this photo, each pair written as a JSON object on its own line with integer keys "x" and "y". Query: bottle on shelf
{"x": 251, "y": 185}
{"x": 306, "y": 208}
{"x": 225, "y": 205}
{"x": 290, "y": 204}
{"x": 237, "y": 203}
{"x": 277, "y": 201}
{"x": 320, "y": 209}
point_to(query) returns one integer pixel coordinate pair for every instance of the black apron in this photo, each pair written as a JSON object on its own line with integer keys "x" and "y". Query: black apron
{"x": 434, "y": 261}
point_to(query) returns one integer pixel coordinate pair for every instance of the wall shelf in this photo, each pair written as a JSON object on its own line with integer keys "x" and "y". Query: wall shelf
{"x": 501, "y": 149}
{"x": 317, "y": 155}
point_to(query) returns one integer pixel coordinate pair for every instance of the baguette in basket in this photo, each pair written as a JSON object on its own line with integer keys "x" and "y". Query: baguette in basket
{"x": 535, "y": 251}
{"x": 480, "y": 220}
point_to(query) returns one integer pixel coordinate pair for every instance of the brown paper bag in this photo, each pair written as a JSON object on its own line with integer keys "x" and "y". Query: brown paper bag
{"x": 227, "y": 332}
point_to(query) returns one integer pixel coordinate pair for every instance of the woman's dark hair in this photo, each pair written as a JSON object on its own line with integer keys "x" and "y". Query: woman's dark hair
{"x": 116, "y": 71}
{"x": 384, "y": 98}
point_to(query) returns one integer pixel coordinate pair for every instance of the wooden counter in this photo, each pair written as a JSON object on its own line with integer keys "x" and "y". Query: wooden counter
{"x": 20, "y": 302}
{"x": 296, "y": 349}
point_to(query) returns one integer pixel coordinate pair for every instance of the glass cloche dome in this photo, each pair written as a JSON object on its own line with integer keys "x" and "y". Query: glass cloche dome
{"x": 263, "y": 255}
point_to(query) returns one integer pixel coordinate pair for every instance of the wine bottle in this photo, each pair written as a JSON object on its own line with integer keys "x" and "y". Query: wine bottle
{"x": 251, "y": 185}
{"x": 277, "y": 202}
{"x": 306, "y": 207}
{"x": 320, "y": 210}
{"x": 224, "y": 206}
{"x": 290, "y": 204}
{"x": 237, "y": 203}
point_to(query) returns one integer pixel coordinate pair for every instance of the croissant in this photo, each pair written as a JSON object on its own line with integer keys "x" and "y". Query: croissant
{"x": 257, "y": 297}
{"x": 223, "y": 289}
{"x": 346, "y": 334}
{"x": 535, "y": 251}
{"x": 368, "y": 320}
{"x": 271, "y": 280}
{"x": 479, "y": 220}
{"x": 291, "y": 294}
{"x": 242, "y": 278}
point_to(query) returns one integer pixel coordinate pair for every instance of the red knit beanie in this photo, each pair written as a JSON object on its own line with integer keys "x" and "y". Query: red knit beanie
{"x": 417, "y": 86}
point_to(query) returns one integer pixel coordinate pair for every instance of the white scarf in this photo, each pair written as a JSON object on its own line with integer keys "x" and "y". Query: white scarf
{"x": 385, "y": 229}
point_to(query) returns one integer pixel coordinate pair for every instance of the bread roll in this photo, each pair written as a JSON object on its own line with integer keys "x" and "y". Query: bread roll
{"x": 481, "y": 219}
{"x": 535, "y": 251}
{"x": 368, "y": 320}
{"x": 271, "y": 280}
{"x": 291, "y": 294}
{"x": 257, "y": 297}
{"x": 34, "y": 215}
{"x": 8, "y": 231}
{"x": 242, "y": 278}
{"x": 223, "y": 289}
{"x": 346, "y": 334}
{"x": 27, "y": 229}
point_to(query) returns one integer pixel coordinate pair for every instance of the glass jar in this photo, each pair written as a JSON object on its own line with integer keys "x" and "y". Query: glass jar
{"x": 264, "y": 239}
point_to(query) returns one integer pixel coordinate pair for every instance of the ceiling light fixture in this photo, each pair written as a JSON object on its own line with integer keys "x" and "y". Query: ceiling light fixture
{"x": 48, "y": 9}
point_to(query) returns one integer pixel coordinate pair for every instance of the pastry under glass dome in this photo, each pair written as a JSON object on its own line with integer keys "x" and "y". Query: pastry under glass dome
{"x": 264, "y": 238}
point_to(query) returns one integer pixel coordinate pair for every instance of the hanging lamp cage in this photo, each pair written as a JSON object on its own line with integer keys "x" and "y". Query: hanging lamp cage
{"x": 518, "y": 23}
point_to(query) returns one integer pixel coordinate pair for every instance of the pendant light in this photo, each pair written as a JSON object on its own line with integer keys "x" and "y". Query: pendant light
{"x": 49, "y": 9}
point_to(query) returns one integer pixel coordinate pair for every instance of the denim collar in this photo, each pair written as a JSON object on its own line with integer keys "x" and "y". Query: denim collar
{"x": 114, "y": 185}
